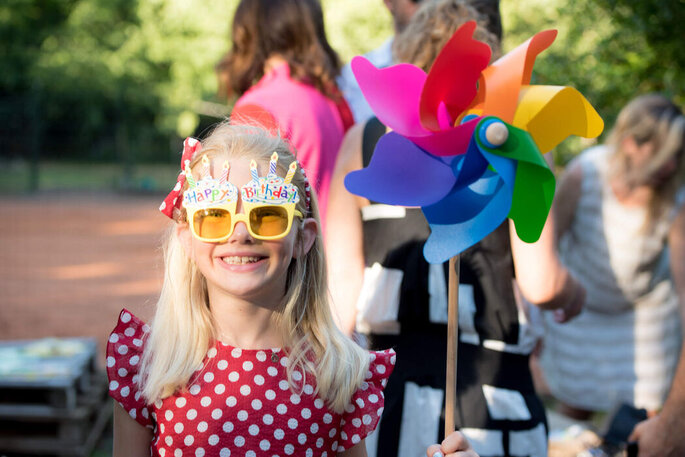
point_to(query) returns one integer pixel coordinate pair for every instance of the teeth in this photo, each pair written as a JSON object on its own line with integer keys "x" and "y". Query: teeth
{"x": 240, "y": 260}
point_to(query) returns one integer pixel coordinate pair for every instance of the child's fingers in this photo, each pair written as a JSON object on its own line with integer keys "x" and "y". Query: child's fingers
{"x": 434, "y": 451}
{"x": 454, "y": 442}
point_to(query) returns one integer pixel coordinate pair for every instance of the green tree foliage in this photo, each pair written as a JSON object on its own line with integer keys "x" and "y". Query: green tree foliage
{"x": 610, "y": 50}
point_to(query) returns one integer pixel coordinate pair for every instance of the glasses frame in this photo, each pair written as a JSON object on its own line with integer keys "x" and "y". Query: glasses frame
{"x": 244, "y": 217}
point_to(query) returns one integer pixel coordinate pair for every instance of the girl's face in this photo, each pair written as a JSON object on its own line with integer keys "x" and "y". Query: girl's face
{"x": 243, "y": 267}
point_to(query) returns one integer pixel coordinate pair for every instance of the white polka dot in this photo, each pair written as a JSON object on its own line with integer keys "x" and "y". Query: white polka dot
{"x": 306, "y": 413}
{"x": 261, "y": 356}
{"x": 161, "y": 428}
{"x": 158, "y": 404}
{"x": 343, "y": 435}
{"x": 301, "y": 438}
{"x": 256, "y": 404}
{"x": 360, "y": 402}
{"x": 231, "y": 401}
{"x": 177, "y": 187}
{"x": 202, "y": 427}
{"x": 168, "y": 440}
{"x": 228, "y": 427}
{"x": 134, "y": 360}
{"x": 357, "y": 422}
{"x": 178, "y": 428}
{"x": 199, "y": 452}
{"x": 284, "y": 361}
{"x": 222, "y": 365}
{"x": 188, "y": 440}
{"x": 211, "y": 353}
{"x": 270, "y": 394}
{"x": 113, "y": 385}
{"x": 239, "y": 441}
{"x": 373, "y": 398}
{"x": 245, "y": 390}
{"x": 233, "y": 376}
{"x": 283, "y": 384}
{"x": 380, "y": 369}
{"x": 216, "y": 414}
{"x": 365, "y": 385}
{"x": 125, "y": 318}
{"x": 129, "y": 332}
{"x": 268, "y": 419}
{"x": 110, "y": 361}
{"x": 297, "y": 376}
{"x": 309, "y": 453}
{"x": 327, "y": 418}
{"x": 356, "y": 438}
{"x": 168, "y": 414}
{"x": 314, "y": 428}
{"x": 224, "y": 452}
{"x": 372, "y": 356}
{"x": 319, "y": 442}
{"x": 125, "y": 391}
{"x": 242, "y": 415}
{"x": 279, "y": 434}
{"x": 308, "y": 389}
{"x": 281, "y": 409}
{"x": 145, "y": 413}
{"x": 259, "y": 380}
{"x": 123, "y": 349}
{"x": 236, "y": 353}
{"x": 219, "y": 389}
{"x": 393, "y": 359}
{"x": 122, "y": 372}
{"x": 194, "y": 389}
{"x": 318, "y": 403}
{"x": 209, "y": 376}
{"x": 289, "y": 449}
{"x": 295, "y": 399}
{"x": 349, "y": 408}
{"x": 366, "y": 419}
{"x": 212, "y": 440}
{"x": 162, "y": 451}
{"x": 180, "y": 402}
{"x": 273, "y": 371}
{"x": 264, "y": 445}
{"x": 135, "y": 378}
{"x": 380, "y": 411}
{"x": 253, "y": 430}
{"x": 113, "y": 338}
{"x": 250, "y": 454}
{"x": 368, "y": 375}
{"x": 292, "y": 423}
{"x": 247, "y": 365}
{"x": 205, "y": 401}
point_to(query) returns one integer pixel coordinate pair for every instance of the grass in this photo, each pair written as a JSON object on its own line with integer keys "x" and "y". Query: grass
{"x": 15, "y": 177}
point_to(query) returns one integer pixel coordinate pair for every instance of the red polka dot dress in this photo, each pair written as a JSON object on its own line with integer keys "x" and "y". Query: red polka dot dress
{"x": 240, "y": 404}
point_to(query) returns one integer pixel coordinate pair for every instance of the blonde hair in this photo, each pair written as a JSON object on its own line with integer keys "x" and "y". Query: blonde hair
{"x": 432, "y": 26}
{"x": 183, "y": 327}
{"x": 656, "y": 120}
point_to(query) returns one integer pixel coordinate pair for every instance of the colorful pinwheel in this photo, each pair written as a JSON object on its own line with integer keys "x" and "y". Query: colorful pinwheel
{"x": 467, "y": 140}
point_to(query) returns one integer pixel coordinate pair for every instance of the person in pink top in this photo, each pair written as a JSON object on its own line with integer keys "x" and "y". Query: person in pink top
{"x": 283, "y": 70}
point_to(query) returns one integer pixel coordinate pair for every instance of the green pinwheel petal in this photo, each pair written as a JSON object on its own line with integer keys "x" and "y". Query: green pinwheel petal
{"x": 534, "y": 183}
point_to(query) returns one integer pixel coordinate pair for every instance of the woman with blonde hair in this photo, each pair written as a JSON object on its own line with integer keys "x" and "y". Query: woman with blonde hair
{"x": 621, "y": 221}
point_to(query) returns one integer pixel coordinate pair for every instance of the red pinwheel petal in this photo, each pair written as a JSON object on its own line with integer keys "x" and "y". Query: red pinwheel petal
{"x": 452, "y": 78}
{"x": 393, "y": 94}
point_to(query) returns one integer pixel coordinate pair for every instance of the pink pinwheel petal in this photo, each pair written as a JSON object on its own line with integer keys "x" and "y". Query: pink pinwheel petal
{"x": 448, "y": 142}
{"x": 452, "y": 78}
{"x": 393, "y": 94}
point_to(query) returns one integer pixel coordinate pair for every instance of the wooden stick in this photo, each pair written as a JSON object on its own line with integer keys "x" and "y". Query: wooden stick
{"x": 452, "y": 342}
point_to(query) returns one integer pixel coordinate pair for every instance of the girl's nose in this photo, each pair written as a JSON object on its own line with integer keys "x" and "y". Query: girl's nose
{"x": 240, "y": 234}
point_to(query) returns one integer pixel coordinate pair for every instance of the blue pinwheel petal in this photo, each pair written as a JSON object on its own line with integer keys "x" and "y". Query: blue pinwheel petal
{"x": 469, "y": 167}
{"x": 401, "y": 173}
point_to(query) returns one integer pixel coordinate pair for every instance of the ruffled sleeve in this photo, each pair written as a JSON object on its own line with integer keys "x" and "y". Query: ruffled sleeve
{"x": 364, "y": 411}
{"x": 124, "y": 351}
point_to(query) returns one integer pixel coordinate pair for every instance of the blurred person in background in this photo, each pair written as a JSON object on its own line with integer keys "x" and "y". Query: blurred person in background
{"x": 381, "y": 57}
{"x": 283, "y": 70}
{"x": 382, "y": 285}
{"x": 621, "y": 225}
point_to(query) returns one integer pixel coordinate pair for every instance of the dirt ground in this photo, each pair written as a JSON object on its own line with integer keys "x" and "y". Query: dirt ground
{"x": 70, "y": 261}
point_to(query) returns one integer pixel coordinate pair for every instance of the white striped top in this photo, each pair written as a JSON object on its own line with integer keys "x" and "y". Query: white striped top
{"x": 624, "y": 346}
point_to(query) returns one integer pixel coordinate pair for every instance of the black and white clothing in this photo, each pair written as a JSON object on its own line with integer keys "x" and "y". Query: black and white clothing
{"x": 403, "y": 305}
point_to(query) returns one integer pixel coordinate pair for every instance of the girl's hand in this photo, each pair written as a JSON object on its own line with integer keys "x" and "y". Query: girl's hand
{"x": 455, "y": 445}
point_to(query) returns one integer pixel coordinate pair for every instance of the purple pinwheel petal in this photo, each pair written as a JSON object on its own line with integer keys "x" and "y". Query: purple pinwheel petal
{"x": 393, "y": 94}
{"x": 400, "y": 173}
{"x": 447, "y": 142}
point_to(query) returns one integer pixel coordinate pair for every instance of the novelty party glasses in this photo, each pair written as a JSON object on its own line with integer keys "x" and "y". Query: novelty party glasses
{"x": 268, "y": 203}
{"x": 263, "y": 221}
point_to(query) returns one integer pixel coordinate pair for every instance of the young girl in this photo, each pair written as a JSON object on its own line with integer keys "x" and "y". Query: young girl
{"x": 242, "y": 356}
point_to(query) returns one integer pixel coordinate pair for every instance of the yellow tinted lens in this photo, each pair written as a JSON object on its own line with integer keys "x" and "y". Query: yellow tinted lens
{"x": 212, "y": 223}
{"x": 269, "y": 220}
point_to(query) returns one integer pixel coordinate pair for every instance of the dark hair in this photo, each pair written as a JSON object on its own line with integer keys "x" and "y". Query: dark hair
{"x": 292, "y": 29}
